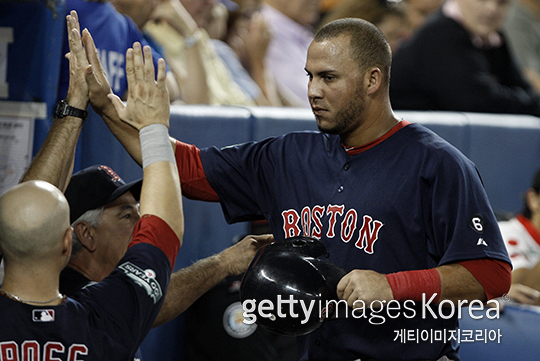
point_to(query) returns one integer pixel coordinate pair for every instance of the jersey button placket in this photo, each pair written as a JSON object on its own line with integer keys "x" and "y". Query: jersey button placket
{"x": 346, "y": 167}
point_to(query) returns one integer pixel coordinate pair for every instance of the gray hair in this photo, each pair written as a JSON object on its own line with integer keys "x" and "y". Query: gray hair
{"x": 92, "y": 217}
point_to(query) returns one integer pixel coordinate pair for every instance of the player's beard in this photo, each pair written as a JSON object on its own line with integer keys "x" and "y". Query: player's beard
{"x": 346, "y": 115}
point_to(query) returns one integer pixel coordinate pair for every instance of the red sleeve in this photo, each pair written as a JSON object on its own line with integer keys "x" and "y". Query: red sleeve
{"x": 153, "y": 230}
{"x": 195, "y": 185}
{"x": 494, "y": 275}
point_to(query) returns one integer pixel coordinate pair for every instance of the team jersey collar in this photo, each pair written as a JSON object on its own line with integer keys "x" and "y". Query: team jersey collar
{"x": 530, "y": 227}
{"x": 357, "y": 150}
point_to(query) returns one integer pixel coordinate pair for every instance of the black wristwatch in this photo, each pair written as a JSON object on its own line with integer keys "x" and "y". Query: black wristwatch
{"x": 63, "y": 109}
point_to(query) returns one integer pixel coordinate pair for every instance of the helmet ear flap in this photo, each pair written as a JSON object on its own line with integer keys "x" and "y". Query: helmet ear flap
{"x": 289, "y": 278}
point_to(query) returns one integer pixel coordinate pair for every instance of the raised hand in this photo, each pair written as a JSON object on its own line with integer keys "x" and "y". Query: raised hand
{"x": 148, "y": 99}
{"x": 98, "y": 84}
{"x": 77, "y": 95}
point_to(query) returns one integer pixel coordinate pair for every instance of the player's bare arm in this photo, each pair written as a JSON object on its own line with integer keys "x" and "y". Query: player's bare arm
{"x": 148, "y": 106}
{"x": 457, "y": 284}
{"x": 99, "y": 89}
{"x": 190, "y": 283}
{"x": 55, "y": 159}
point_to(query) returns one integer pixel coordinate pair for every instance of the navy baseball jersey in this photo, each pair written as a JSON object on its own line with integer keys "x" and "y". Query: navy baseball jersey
{"x": 105, "y": 321}
{"x": 411, "y": 202}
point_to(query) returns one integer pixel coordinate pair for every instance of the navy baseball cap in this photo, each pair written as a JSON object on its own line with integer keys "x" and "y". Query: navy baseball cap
{"x": 94, "y": 187}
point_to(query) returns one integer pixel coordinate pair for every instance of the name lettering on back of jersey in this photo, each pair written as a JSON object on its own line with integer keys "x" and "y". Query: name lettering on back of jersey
{"x": 336, "y": 221}
{"x": 144, "y": 278}
{"x": 43, "y": 315}
{"x": 30, "y": 351}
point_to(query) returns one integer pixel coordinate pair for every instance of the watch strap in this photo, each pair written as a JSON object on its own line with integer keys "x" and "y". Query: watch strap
{"x": 63, "y": 109}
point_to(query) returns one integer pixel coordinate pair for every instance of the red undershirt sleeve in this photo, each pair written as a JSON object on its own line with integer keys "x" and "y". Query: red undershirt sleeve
{"x": 153, "y": 230}
{"x": 195, "y": 185}
{"x": 494, "y": 275}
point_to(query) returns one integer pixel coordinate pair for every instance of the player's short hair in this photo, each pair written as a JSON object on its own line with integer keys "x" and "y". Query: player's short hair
{"x": 92, "y": 217}
{"x": 368, "y": 45}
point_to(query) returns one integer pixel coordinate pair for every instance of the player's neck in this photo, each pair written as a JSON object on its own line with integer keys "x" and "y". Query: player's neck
{"x": 370, "y": 130}
{"x": 89, "y": 268}
{"x": 32, "y": 289}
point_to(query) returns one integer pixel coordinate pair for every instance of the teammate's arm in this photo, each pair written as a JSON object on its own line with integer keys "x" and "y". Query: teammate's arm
{"x": 147, "y": 111}
{"x": 190, "y": 168}
{"x": 188, "y": 284}
{"x": 55, "y": 159}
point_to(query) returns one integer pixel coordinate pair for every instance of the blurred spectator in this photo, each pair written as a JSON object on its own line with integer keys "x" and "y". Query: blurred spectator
{"x": 459, "y": 61}
{"x": 522, "y": 237}
{"x": 522, "y": 28}
{"x": 419, "y": 10}
{"x": 389, "y": 16}
{"x": 243, "y": 49}
{"x": 328, "y": 5}
{"x": 113, "y": 34}
{"x": 291, "y": 28}
{"x": 181, "y": 28}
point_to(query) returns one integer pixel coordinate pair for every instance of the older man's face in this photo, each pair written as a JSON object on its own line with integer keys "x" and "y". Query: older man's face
{"x": 115, "y": 230}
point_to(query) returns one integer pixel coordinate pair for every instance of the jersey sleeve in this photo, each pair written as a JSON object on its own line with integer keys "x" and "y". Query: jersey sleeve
{"x": 241, "y": 176}
{"x": 460, "y": 222}
{"x": 195, "y": 185}
{"x": 153, "y": 230}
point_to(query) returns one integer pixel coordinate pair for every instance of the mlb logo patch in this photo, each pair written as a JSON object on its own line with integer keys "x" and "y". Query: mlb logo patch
{"x": 43, "y": 315}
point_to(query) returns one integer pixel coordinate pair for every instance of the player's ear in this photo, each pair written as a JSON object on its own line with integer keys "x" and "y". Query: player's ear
{"x": 84, "y": 233}
{"x": 373, "y": 80}
{"x": 67, "y": 240}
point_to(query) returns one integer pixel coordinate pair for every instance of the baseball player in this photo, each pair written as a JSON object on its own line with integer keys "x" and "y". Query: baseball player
{"x": 106, "y": 321}
{"x": 399, "y": 208}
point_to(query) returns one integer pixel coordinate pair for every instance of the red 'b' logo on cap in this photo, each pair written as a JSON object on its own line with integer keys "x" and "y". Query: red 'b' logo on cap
{"x": 111, "y": 172}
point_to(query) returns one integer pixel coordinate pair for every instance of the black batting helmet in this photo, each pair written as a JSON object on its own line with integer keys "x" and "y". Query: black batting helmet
{"x": 285, "y": 280}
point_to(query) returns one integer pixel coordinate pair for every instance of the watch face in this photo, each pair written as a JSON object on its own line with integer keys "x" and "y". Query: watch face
{"x": 60, "y": 110}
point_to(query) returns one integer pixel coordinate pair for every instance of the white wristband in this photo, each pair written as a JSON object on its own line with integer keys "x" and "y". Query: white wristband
{"x": 155, "y": 145}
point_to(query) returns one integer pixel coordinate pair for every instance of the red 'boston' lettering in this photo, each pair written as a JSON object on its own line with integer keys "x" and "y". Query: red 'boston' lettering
{"x": 318, "y": 212}
{"x": 333, "y": 211}
{"x": 290, "y": 223}
{"x": 348, "y": 226}
{"x": 368, "y": 234}
{"x": 310, "y": 222}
